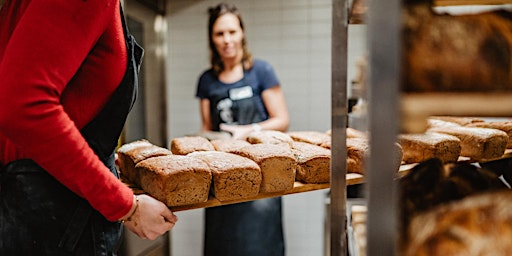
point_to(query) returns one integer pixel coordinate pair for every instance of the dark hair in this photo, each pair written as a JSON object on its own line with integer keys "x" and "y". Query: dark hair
{"x": 215, "y": 59}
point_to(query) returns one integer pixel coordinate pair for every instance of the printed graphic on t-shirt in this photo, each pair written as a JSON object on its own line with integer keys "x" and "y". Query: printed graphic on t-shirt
{"x": 224, "y": 107}
{"x": 240, "y": 93}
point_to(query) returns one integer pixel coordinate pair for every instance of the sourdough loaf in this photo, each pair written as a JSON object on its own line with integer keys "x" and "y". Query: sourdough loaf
{"x": 420, "y": 147}
{"x": 505, "y": 126}
{"x": 269, "y": 137}
{"x": 358, "y": 151}
{"x": 476, "y": 143}
{"x": 234, "y": 177}
{"x": 277, "y": 163}
{"x": 229, "y": 145}
{"x": 175, "y": 179}
{"x": 313, "y": 162}
{"x": 131, "y": 153}
{"x": 311, "y": 137}
{"x": 188, "y": 144}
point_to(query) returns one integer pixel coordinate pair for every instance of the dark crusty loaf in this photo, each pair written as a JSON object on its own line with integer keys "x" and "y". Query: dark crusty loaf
{"x": 131, "y": 153}
{"x": 175, "y": 179}
{"x": 229, "y": 145}
{"x": 234, "y": 177}
{"x": 313, "y": 162}
{"x": 277, "y": 163}
{"x": 476, "y": 143}
{"x": 189, "y": 144}
{"x": 269, "y": 137}
{"x": 420, "y": 147}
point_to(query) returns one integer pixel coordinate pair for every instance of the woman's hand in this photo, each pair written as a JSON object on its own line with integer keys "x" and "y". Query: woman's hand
{"x": 238, "y": 132}
{"x": 150, "y": 219}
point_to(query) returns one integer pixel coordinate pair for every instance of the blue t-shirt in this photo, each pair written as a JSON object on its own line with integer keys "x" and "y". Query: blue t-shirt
{"x": 239, "y": 102}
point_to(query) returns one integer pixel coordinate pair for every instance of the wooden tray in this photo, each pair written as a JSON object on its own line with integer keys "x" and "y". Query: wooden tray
{"x": 352, "y": 179}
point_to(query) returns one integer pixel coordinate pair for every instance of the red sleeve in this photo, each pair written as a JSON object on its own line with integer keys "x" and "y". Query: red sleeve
{"x": 48, "y": 45}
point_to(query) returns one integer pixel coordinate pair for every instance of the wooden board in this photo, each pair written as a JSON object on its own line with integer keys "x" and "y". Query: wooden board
{"x": 352, "y": 179}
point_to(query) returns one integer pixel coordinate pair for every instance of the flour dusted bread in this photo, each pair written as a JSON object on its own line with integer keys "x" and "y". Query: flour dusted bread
{"x": 269, "y": 137}
{"x": 476, "y": 143}
{"x": 175, "y": 179}
{"x": 277, "y": 163}
{"x": 189, "y": 144}
{"x": 422, "y": 146}
{"x": 229, "y": 145}
{"x": 358, "y": 151}
{"x": 313, "y": 162}
{"x": 505, "y": 126}
{"x": 234, "y": 177}
{"x": 131, "y": 153}
{"x": 311, "y": 137}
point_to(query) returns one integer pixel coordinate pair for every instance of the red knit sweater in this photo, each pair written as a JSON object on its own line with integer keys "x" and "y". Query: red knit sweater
{"x": 60, "y": 60}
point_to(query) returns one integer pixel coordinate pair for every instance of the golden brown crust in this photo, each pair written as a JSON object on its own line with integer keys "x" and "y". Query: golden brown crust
{"x": 313, "y": 162}
{"x": 234, "y": 177}
{"x": 311, "y": 137}
{"x": 269, "y": 137}
{"x": 229, "y": 145}
{"x": 189, "y": 144}
{"x": 277, "y": 163}
{"x": 175, "y": 179}
{"x": 420, "y": 147}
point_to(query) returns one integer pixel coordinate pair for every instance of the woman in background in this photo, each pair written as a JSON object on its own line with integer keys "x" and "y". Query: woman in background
{"x": 239, "y": 94}
{"x": 68, "y": 72}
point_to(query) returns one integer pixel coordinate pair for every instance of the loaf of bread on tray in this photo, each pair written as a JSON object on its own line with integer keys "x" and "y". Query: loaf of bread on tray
{"x": 277, "y": 163}
{"x": 234, "y": 177}
{"x": 131, "y": 153}
{"x": 188, "y": 144}
{"x": 269, "y": 137}
{"x": 358, "y": 151}
{"x": 422, "y": 146}
{"x": 229, "y": 145}
{"x": 175, "y": 179}
{"x": 311, "y": 137}
{"x": 476, "y": 143}
{"x": 313, "y": 162}
{"x": 505, "y": 126}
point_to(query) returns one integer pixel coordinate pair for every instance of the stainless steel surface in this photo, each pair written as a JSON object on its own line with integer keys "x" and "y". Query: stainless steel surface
{"x": 337, "y": 218}
{"x": 384, "y": 52}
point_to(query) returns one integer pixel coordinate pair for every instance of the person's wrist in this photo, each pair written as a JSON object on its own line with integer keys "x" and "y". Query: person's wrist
{"x": 135, "y": 205}
{"x": 256, "y": 127}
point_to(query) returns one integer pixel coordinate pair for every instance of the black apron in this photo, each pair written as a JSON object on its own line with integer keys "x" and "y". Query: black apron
{"x": 39, "y": 216}
{"x": 252, "y": 228}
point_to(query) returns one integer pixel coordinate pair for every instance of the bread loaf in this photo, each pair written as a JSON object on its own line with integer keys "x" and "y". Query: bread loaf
{"x": 175, "y": 179}
{"x": 189, "y": 144}
{"x": 229, "y": 145}
{"x": 420, "y": 147}
{"x": 131, "y": 153}
{"x": 505, "y": 126}
{"x": 277, "y": 163}
{"x": 234, "y": 177}
{"x": 313, "y": 162}
{"x": 269, "y": 137}
{"x": 476, "y": 143}
{"x": 358, "y": 151}
{"x": 311, "y": 137}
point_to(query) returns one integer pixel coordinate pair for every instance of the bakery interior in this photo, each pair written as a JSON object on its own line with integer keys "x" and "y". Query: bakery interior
{"x": 321, "y": 51}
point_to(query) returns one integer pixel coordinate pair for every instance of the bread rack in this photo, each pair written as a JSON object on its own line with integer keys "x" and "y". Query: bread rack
{"x": 389, "y": 113}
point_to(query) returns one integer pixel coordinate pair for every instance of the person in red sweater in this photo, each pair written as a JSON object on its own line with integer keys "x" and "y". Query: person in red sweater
{"x": 68, "y": 75}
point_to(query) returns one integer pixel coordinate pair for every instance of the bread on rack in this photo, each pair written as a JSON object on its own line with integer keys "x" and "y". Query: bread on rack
{"x": 131, "y": 153}
{"x": 233, "y": 176}
{"x": 358, "y": 150}
{"x": 313, "y": 162}
{"x": 505, "y": 126}
{"x": 476, "y": 143}
{"x": 423, "y": 146}
{"x": 277, "y": 163}
{"x": 269, "y": 137}
{"x": 229, "y": 145}
{"x": 175, "y": 179}
{"x": 188, "y": 144}
{"x": 350, "y": 133}
{"x": 455, "y": 53}
{"x": 311, "y": 137}
{"x": 460, "y": 120}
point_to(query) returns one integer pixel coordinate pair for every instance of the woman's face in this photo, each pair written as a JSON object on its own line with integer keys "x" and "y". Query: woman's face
{"x": 227, "y": 36}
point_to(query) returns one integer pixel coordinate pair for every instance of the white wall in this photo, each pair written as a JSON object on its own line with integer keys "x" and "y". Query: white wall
{"x": 295, "y": 37}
